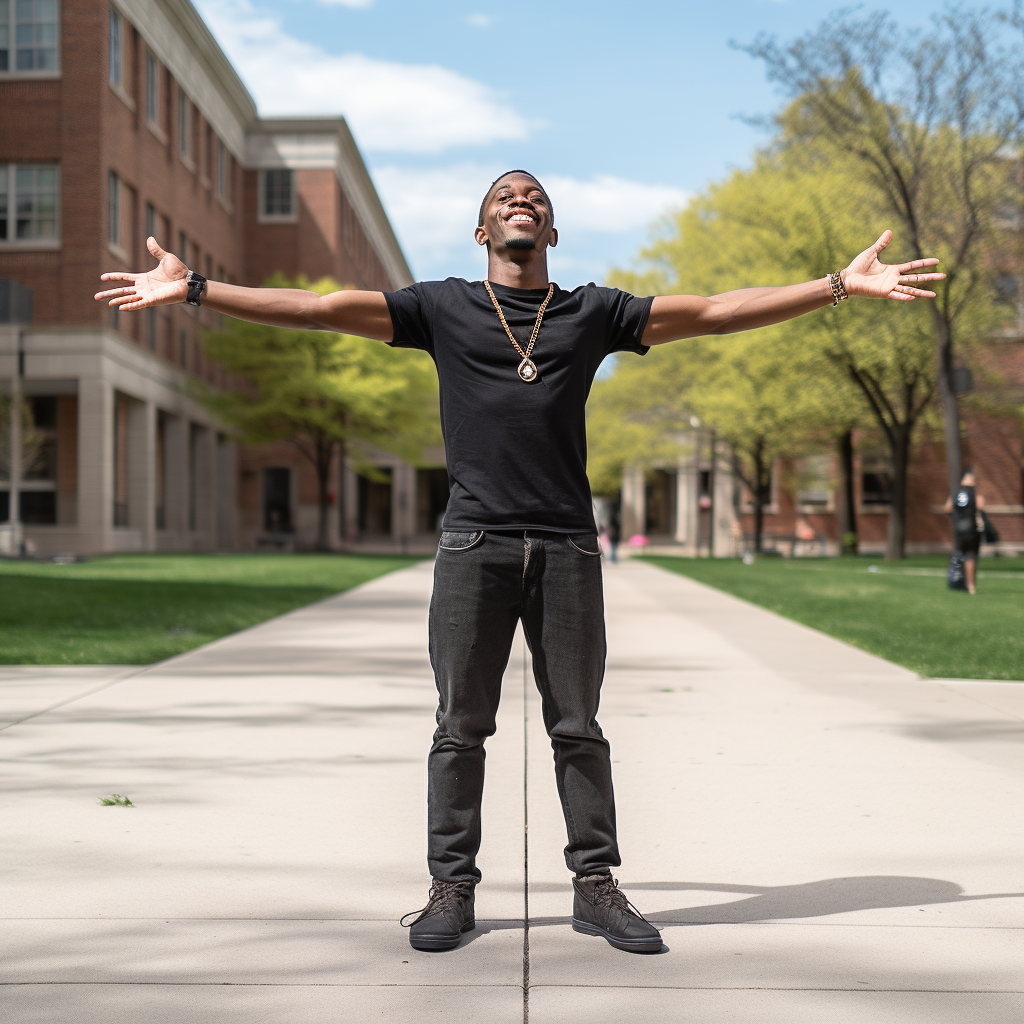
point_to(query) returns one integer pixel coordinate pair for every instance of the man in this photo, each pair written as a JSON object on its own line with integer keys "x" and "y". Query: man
{"x": 516, "y": 357}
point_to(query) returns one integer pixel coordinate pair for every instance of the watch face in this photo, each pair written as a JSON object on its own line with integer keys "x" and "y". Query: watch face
{"x": 963, "y": 498}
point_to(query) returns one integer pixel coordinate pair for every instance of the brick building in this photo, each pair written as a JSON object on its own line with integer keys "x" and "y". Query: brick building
{"x": 120, "y": 119}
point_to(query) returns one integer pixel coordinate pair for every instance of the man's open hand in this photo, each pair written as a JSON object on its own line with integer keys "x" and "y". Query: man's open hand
{"x": 162, "y": 286}
{"x": 867, "y": 276}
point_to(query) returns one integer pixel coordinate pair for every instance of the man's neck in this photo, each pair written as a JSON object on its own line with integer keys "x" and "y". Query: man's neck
{"x": 530, "y": 270}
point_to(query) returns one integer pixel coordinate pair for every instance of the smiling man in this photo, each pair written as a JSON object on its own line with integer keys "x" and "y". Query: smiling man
{"x": 516, "y": 356}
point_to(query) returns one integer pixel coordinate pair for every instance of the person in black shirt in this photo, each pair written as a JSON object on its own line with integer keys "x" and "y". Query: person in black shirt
{"x": 968, "y": 524}
{"x": 516, "y": 357}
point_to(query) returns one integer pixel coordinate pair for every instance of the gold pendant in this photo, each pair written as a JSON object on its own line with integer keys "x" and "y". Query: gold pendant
{"x": 528, "y": 370}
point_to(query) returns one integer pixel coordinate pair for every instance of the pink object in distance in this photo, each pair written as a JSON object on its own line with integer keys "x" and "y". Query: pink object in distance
{"x": 638, "y": 540}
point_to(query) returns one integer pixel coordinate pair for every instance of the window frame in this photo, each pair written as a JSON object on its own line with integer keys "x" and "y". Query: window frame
{"x": 115, "y": 66}
{"x": 262, "y": 216}
{"x": 152, "y": 89}
{"x": 8, "y": 171}
{"x": 12, "y": 72}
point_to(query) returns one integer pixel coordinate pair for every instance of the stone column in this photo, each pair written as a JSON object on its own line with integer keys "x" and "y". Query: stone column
{"x": 142, "y": 472}
{"x": 686, "y": 505}
{"x": 96, "y": 464}
{"x": 227, "y": 494}
{"x": 205, "y": 478}
{"x": 176, "y": 484}
{"x": 725, "y": 541}
{"x": 403, "y": 502}
{"x": 634, "y": 502}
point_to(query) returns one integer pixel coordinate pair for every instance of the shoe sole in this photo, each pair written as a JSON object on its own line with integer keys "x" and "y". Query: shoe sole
{"x": 429, "y": 944}
{"x": 637, "y": 946}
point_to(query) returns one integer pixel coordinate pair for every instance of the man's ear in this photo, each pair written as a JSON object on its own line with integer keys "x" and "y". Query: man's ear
{"x": 480, "y": 234}
{"x": 553, "y": 240}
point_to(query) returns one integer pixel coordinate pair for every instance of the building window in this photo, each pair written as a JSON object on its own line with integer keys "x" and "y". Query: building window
{"x": 876, "y": 482}
{"x": 29, "y": 27}
{"x": 277, "y": 194}
{"x": 151, "y": 328}
{"x": 152, "y": 88}
{"x": 222, "y": 170}
{"x": 814, "y": 483}
{"x": 182, "y": 252}
{"x": 114, "y": 47}
{"x": 114, "y": 210}
{"x": 150, "y": 221}
{"x": 184, "y": 124}
{"x": 29, "y": 202}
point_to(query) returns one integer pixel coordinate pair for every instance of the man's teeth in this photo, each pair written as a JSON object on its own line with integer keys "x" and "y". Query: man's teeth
{"x": 521, "y": 217}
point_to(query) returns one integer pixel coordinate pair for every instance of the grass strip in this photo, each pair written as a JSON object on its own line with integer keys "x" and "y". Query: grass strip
{"x": 901, "y": 611}
{"x": 138, "y": 609}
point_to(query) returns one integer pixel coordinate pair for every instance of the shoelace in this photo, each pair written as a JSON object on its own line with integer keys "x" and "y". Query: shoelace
{"x": 443, "y": 896}
{"x": 608, "y": 894}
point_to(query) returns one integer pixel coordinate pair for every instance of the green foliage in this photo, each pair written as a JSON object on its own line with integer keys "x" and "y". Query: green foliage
{"x": 315, "y": 383}
{"x": 137, "y": 609}
{"x": 115, "y": 800}
{"x": 904, "y": 614}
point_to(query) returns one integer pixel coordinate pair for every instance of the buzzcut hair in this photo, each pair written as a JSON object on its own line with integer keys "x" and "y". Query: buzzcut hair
{"x": 500, "y": 177}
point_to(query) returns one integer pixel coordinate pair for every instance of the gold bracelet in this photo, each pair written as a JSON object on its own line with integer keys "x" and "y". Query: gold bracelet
{"x": 839, "y": 292}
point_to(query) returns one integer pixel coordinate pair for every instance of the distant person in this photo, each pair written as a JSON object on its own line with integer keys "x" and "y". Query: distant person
{"x": 614, "y": 535}
{"x": 516, "y": 357}
{"x": 968, "y": 524}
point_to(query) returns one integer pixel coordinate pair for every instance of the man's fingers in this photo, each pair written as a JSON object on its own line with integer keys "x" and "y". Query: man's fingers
{"x": 115, "y": 291}
{"x": 883, "y": 240}
{"x": 915, "y": 264}
{"x": 914, "y": 278}
{"x": 118, "y": 275}
{"x": 155, "y": 249}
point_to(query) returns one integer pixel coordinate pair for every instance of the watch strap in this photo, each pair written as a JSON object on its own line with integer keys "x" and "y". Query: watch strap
{"x": 196, "y": 288}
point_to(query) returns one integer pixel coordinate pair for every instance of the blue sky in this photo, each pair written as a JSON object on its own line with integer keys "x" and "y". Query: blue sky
{"x": 622, "y": 109}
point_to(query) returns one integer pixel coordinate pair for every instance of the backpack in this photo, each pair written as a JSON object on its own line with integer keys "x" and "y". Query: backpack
{"x": 956, "y": 578}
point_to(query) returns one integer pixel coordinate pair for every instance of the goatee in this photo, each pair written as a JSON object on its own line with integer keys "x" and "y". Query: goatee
{"x": 520, "y": 243}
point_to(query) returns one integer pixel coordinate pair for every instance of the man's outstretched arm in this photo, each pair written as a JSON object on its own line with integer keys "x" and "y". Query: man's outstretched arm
{"x": 689, "y": 316}
{"x": 347, "y": 312}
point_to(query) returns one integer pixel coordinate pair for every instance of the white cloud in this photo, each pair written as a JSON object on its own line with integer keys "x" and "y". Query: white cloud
{"x": 435, "y": 211}
{"x": 392, "y": 107}
{"x": 479, "y": 21}
{"x": 608, "y": 205}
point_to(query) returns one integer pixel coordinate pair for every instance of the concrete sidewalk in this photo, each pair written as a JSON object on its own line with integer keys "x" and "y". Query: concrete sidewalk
{"x": 821, "y": 835}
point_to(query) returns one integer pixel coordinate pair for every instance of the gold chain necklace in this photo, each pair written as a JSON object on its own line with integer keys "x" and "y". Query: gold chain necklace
{"x": 527, "y": 368}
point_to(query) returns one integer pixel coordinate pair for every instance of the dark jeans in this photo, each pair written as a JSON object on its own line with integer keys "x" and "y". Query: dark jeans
{"x": 484, "y": 583}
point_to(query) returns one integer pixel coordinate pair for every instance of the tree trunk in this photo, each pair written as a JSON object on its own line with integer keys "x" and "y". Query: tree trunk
{"x": 324, "y": 451}
{"x": 761, "y": 486}
{"x": 848, "y": 504}
{"x": 343, "y": 494}
{"x": 948, "y": 400}
{"x": 896, "y": 539}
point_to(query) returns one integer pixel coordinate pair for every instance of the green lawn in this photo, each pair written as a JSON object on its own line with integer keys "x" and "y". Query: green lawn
{"x": 137, "y": 609}
{"x": 902, "y": 611}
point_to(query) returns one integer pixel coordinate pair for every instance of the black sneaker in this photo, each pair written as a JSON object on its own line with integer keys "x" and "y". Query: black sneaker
{"x": 600, "y": 908}
{"x": 448, "y": 913}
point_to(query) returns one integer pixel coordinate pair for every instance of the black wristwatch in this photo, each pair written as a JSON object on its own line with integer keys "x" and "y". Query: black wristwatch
{"x": 196, "y": 288}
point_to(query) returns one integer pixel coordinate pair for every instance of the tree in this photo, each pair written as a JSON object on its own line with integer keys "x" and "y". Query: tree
{"x": 933, "y": 121}
{"x": 805, "y": 384}
{"x": 322, "y": 392}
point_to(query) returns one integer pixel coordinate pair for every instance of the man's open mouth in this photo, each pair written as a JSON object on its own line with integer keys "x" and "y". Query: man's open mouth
{"x": 522, "y": 218}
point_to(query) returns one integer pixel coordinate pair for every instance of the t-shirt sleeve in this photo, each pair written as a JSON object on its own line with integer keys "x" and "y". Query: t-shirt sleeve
{"x": 411, "y": 317}
{"x": 627, "y": 319}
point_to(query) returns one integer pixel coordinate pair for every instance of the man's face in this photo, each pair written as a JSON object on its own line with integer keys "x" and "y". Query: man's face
{"x": 517, "y": 217}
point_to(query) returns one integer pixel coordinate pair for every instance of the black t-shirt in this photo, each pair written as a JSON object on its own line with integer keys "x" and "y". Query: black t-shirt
{"x": 965, "y": 510}
{"x": 516, "y": 452}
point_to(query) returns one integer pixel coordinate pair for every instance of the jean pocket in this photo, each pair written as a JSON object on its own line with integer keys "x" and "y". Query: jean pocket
{"x": 452, "y": 541}
{"x": 585, "y": 544}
